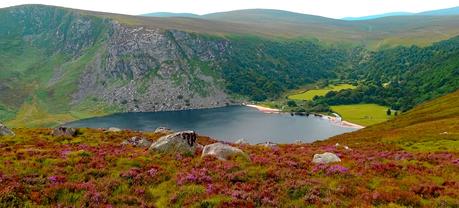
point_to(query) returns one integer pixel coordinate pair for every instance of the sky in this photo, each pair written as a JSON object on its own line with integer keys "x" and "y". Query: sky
{"x": 326, "y": 8}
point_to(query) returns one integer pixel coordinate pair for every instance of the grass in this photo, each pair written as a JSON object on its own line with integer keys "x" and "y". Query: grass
{"x": 362, "y": 114}
{"x": 430, "y": 127}
{"x": 310, "y": 94}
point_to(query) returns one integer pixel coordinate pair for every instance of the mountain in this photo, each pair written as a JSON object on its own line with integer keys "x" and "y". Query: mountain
{"x": 60, "y": 64}
{"x": 391, "y": 14}
{"x": 170, "y": 14}
{"x": 440, "y": 12}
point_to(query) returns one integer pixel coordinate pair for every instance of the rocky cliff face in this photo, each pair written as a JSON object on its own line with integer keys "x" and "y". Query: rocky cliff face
{"x": 65, "y": 62}
{"x": 149, "y": 69}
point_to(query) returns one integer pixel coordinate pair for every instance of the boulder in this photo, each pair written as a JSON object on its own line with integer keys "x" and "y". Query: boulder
{"x": 325, "y": 158}
{"x": 222, "y": 151}
{"x": 113, "y": 129}
{"x": 181, "y": 142}
{"x": 268, "y": 144}
{"x": 138, "y": 142}
{"x": 64, "y": 131}
{"x": 5, "y": 131}
{"x": 241, "y": 141}
{"x": 163, "y": 130}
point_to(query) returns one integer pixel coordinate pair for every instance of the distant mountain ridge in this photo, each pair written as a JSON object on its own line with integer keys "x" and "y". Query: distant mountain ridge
{"x": 439, "y": 12}
{"x": 378, "y": 16}
{"x": 171, "y": 14}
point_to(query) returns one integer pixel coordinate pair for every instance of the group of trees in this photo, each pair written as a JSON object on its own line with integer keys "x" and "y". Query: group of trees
{"x": 262, "y": 69}
{"x": 403, "y": 77}
{"x": 400, "y": 77}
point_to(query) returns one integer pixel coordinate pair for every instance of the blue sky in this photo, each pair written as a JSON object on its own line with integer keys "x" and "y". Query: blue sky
{"x": 327, "y": 8}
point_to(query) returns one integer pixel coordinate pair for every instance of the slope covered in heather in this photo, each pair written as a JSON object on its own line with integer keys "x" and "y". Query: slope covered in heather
{"x": 411, "y": 161}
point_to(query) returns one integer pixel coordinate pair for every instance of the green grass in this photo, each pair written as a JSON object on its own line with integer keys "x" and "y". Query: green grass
{"x": 362, "y": 114}
{"x": 310, "y": 94}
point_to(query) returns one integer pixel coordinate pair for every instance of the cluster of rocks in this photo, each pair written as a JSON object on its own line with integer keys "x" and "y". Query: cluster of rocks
{"x": 5, "y": 131}
{"x": 185, "y": 142}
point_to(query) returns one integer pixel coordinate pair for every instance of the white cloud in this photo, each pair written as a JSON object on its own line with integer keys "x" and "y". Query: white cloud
{"x": 328, "y": 8}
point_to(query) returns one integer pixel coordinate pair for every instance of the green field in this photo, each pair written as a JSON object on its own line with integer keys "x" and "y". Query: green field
{"x": 362, "y": 114}
{"x": 310, "y": 94}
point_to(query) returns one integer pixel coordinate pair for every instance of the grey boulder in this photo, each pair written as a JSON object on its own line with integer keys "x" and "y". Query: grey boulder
{"x": 64, "y": 131}
{"x": 138, "y": 142}
{"x": 163, "y": 130}
{"x": 113, "y": 129}
{"x": 5, "y": 131}
{"x": 325, "y": 158}
{"x": 241, "y": 141}
{"x": 222, "y": 151}
{"x": 181, "y": 142}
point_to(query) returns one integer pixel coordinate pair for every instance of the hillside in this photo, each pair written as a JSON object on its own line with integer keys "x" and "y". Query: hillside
{"x": 411, "y": 161}
{"x": 59, "y": 64}
{"x": 430, "y": 127}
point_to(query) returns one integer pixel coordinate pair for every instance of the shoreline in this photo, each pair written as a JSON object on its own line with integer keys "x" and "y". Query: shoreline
{"x": 263, "y": 109}
{"x": 332, "y": 119}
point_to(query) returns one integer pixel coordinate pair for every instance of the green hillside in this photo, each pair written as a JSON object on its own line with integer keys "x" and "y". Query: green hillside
{"x": 431, "y": 126}
{"x": 59, "y": 64}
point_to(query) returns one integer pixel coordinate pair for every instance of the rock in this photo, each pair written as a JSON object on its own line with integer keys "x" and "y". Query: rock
{"x": 163, "y": 130}
{"x": 241, "y": 141}
{"x": 64, "y": 131}
{"x": 222, "y": 151}
{"x": 268, "y": 144}
{"x": 5, "y": 131}
{"x": 299, "y": 142}
{"x": 138, "y": 142}
{"x": 325, "y": 158}
{"x": 113, "y": 129}
{"x": 181, "y": 142}
{"x": 337, "y": 145}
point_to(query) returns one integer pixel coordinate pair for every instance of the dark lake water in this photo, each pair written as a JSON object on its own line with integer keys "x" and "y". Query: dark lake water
{"x": 226, "y": 124}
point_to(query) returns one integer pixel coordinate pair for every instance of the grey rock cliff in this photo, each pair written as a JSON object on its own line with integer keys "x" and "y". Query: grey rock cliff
{"x": 149, "y": 69}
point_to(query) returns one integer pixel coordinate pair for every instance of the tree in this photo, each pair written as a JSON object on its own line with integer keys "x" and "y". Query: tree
{"x": 389, "y": 112}
{"x": 291, "y": 103}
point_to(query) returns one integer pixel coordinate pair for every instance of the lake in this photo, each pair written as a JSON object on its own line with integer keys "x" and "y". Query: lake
{"x": 226, "y": 124}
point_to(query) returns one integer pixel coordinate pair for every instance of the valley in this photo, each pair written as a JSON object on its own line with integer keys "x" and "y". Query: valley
{"x": 243, "y": 108}
{"x": 123, "y": 63}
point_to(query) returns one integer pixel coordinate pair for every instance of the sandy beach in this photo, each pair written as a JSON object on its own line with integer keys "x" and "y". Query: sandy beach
{"x": 332, "y": 119}
{"x": 263, "y": 109}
